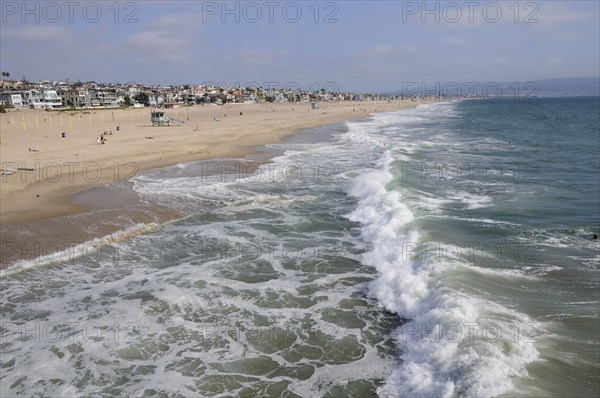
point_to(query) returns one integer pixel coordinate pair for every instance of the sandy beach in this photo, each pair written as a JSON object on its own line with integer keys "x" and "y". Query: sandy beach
{"x": 54, "y": 188}
{"x": 53, "y": 168}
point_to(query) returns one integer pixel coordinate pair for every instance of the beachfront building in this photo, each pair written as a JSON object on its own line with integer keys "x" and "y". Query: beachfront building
{"x": 279, "y": 97}
{"x": 196, "y": 94}
{"x": 33, "y": 99}
{"x": 191, "y": 98}
{"x": 104, "y": 99}
{"x": 292, "y": 96}
{"x": 249, "y": 98}
{"x": 11, "y": 98}
{"x": 46, "y": 99}
{"x": 77, "y": 98}
{"x": 51, "y": 99}
{"x": 173, "y": 97}
{"x": 158, "y": 100}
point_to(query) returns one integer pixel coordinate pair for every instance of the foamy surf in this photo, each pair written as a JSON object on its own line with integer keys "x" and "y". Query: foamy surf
{"x": 454, "y": 344}
{"x": 348, "y": 308}
{"x": 92, "y": 248}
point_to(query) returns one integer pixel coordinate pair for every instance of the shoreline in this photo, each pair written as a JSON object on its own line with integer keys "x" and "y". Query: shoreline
{"x": 62, "y": 201}
{"x": 53, "y": 173}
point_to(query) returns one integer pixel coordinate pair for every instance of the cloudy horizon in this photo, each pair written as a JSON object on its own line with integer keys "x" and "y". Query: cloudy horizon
{"x": 353, "y": 46}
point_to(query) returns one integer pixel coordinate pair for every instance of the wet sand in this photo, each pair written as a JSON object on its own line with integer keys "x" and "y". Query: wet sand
{"x": 82, "y": 186}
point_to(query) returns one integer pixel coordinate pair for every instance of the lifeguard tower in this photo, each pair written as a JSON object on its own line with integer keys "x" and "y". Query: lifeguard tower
{"x": 159, "y": 118}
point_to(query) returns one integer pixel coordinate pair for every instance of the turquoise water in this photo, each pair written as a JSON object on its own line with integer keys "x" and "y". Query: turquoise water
{"x": 438, "y": 251}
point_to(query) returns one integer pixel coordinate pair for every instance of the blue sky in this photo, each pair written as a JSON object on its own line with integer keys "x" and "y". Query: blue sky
{"x": 356, "y": 45}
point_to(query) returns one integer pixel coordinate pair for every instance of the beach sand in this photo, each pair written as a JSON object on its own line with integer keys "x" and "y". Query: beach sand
{"x": 61, "y": 177}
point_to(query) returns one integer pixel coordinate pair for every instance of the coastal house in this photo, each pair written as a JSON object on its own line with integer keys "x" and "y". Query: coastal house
{"x": 32, "y": 99}
{"x": 191, "y": 99}
{"x": 106, "y": 99}
{"x": 46, "y": 99}
{"x": 77, "y": 98}
{"x": 279, "y": 97}
{"x": 109, "y": 99}
{"x": 155, "y": 100}
{"x": 170, "y": 97}
{"x": 250, "y": 98}
{"x": 11, "y": 85}
{"x": 197, "y": 92}
{"x": 133, "y": 91}
{"x": 291, "y": 96}
{"x": 51, "y": 99}
{"x": 11, "y": 98}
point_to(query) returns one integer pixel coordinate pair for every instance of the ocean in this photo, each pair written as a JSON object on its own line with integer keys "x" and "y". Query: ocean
{"x": 440, "y": 251}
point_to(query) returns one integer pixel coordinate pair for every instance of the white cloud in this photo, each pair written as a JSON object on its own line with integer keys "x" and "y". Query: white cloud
{"x": 553, "y": 14}
{"x": 178, "y": 22}
{"x": 386, "y": 50}
{"x": 37, "y": 33}
{"x": 160, "y": 45}
{"x": 454, "y": 41}
{"x": 169, "y": 38}
{"x": 251, "y": 58}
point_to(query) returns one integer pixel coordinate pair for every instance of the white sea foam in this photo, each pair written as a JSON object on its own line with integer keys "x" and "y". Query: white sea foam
{"x": 479, "y": 220}
{"x": 90, "y": 248}
{"x": 433, "y": 364}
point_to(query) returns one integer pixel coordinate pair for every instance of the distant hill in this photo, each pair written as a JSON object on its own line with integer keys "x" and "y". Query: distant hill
{"x": 566, "y": 87}
{"x": 560, "y": 87}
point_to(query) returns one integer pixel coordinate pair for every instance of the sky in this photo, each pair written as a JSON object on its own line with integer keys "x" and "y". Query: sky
{"x": 366, "y": 46}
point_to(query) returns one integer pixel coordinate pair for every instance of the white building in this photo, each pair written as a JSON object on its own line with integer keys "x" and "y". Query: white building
{"x": 33, "y": 99}
{"x": 51, "y": 99}
{"x": 11, "y": 99}
{"x": 47, "y": 99}
{"x": 157, "y": 100}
